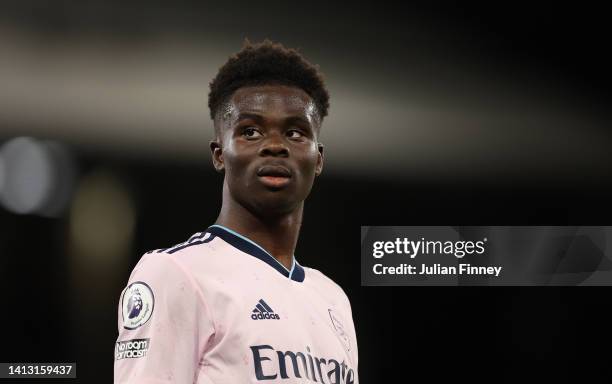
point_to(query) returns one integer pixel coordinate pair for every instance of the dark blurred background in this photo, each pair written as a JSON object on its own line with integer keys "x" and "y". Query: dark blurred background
{"x": 474, "y": 114}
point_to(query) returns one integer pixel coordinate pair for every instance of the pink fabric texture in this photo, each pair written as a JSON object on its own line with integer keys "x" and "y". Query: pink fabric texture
{"x": 219, "y": 314}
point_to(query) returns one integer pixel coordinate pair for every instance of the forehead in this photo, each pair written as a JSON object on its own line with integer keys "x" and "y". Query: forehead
{"x": 272, "y": 100}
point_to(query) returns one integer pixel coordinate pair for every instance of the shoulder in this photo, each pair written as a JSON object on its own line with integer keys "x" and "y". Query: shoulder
{"x": 168, "y": 273}
{"x": 197, "y": 241}
{"x": 176, "y": 262}
{"x": 326, "y": 283}
{"x": 181, "y": 253}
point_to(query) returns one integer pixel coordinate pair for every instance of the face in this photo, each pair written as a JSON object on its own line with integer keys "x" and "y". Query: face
{"x": 267, "y": 146}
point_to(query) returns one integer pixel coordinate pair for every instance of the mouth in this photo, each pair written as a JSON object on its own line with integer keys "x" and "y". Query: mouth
{"x": 274, "y": 176}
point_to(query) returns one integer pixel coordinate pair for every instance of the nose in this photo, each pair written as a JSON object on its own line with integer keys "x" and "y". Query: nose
{"x": 274, "y": 145}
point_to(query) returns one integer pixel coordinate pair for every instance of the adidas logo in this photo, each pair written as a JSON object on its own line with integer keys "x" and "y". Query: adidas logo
{"x": 263, "y": 311}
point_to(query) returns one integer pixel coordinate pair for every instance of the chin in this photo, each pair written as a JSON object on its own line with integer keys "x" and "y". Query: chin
{"x": 275, "y": 205}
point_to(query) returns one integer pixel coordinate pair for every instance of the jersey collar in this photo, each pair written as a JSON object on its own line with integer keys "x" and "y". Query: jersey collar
{"x": 250, "y": 247}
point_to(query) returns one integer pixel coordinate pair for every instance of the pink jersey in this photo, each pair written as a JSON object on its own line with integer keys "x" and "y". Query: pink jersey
{"x": 220, "y": 309}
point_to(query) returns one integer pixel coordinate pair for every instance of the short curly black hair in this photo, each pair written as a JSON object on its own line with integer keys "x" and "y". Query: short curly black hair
{"x": 263, "y": 64}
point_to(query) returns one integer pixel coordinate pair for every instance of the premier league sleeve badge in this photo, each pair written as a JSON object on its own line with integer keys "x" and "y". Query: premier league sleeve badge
{"x": 137, "y": 303}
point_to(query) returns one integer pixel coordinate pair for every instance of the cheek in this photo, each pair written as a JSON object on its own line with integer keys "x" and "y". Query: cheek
{"x": 309, "y": 162}
{"x": 235, "y": 161}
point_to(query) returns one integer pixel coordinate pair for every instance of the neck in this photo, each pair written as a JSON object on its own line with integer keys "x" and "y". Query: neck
{"x": 277, "y": 234}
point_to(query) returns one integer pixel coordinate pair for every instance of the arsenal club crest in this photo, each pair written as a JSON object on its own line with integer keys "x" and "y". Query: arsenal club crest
{"x": 340, "y": 331}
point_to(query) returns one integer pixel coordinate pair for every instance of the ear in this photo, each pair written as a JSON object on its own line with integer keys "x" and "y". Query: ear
{"x": 319, "y": 167}
{"x": 217, "y": 156}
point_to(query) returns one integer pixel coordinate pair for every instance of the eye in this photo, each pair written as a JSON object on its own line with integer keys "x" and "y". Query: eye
{"x": 251, "y": 133}
{"x": 294, "y": 134}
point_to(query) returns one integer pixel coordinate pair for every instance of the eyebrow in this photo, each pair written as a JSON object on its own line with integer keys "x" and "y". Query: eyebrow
{"x": 260, "y": 119}
{"x": 250, "y": 116}
{"x": 297, "y": 119}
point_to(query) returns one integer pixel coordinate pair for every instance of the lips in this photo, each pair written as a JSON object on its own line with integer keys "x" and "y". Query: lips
{"x": 274, "y": 176}
{"x": 274, "y": 171}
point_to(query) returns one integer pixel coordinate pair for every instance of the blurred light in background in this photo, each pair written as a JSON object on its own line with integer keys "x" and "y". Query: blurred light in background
{"x": 102, "y": 219}
{"x": 36, "y": 177}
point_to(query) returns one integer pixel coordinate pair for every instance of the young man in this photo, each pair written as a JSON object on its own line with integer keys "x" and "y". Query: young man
{"x": 232, "y": 304}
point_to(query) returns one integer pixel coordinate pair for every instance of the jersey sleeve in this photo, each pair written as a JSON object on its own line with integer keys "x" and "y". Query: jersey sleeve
{"x": 164, "y": 324}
